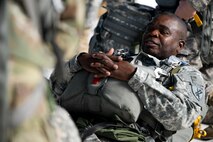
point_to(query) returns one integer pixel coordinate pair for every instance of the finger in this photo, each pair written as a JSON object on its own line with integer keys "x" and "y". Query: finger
{"x": 105, "y": 56}
{"x": 99, "y": 55}
{"x": 110, "y": 52}
{"x": 100, "y": 75}
{"x": 103, "y": 72}
{"x": 108, "y": 67}
{"x": 106, "y": 61}
{"x": 116, "y": 58}
{"x": 96, "y": 65}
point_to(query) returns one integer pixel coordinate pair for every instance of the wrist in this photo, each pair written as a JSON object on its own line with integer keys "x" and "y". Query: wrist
{"x": 74, "y": 64}
{"x": 78, "y": 58}
{"x": 132, "y": 74}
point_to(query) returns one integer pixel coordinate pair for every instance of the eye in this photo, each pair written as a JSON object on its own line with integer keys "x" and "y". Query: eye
{"x": 165, "y": 32}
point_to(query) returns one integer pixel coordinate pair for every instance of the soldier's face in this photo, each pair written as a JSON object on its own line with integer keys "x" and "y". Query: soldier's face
{"x": 161, "y": 38}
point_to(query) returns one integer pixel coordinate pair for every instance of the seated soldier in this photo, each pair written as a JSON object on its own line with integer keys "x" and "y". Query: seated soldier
{"x": 155, "y": 89}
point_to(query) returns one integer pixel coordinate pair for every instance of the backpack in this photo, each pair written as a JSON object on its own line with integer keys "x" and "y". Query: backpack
{"x": 121, "y": 28}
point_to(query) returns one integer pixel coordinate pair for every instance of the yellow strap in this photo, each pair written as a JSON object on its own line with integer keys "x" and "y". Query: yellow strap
{"x": 198, "y": 21}
{"x": 198, "y": 133}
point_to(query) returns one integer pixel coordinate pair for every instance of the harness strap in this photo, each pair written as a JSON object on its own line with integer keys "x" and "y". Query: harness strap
{"x": 91, "y": 130}
{"x": 116, "y": 130}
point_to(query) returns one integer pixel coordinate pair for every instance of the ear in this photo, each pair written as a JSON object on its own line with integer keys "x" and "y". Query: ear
{"x": 181, "y": 45}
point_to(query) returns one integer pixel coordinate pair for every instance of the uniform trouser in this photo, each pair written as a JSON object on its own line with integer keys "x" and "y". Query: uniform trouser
{"x": 184, "y": 135}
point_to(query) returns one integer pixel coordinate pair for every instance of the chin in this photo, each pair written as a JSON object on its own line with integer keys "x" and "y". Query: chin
{"x": 151, "y": 52}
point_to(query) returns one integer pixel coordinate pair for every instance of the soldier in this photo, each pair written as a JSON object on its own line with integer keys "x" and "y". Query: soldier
{"x": 186, "y": 10}
{"x": 163, "y": 101}
{"x": 71, "y": 27}
{"x": 198, "y": 46}
{"x": 3, "y": 70}
{"x": 91, "y": 18}
{"x": 34, "y": 116}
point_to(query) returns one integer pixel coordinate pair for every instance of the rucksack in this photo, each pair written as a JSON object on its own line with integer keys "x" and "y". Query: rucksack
{"x": 121, "y": 28}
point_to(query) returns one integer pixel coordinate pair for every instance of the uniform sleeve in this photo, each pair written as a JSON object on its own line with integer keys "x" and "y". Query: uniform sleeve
{"x": 59, "y": 84}
{"x": 199, "y": 5}
{"x": 175, "y": 109}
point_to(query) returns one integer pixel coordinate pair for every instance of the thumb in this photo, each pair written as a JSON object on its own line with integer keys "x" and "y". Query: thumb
{"x": 110, "y": 52}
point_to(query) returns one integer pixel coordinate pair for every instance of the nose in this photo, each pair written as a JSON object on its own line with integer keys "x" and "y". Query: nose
{"x": 154, "y": 33}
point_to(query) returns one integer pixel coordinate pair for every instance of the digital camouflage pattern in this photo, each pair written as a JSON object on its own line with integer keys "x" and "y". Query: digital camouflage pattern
{"x": 33, "y": 115}
{"x": 121, "y": 28}
{"x": 156, "y": 98}
{"x": 205, "y": 53}
{"x": 3, "y": 70}
{"x": 71, "y": 27}
{"x": 199, "y": 5}
{"x": 198, "y": 48}
{"x": 91, "y": 17}
{"x": 205, "y": 48}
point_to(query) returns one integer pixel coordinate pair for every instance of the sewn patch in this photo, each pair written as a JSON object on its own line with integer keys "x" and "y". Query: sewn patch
{"x": 197, "y": 91}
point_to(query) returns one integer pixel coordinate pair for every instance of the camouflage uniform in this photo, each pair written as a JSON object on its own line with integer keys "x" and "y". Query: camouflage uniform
{"x": 199, "y": 5}
{"x": 92, "y": 11}
{"x": 70, "y": 27}
{"x": 33, "y": 115}
{"x": 198, "y": 50}
{"x": 204, "y": 48}
{"x": 175, "y": 109}
{"x": 207, "y": 59}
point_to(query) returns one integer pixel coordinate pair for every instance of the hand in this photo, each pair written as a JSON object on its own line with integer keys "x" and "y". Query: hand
{"x": 85, "y": 60}
{"x": 105, "y": 63}
{"x": 99, "y": 63}
{"x": 185, "y": 10}
{"x": 124, "y": 71}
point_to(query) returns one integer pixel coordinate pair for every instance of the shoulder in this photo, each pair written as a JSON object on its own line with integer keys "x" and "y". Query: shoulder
{"x": 192, "y": 71}
{"x": 199, "y": 5}
{"x": 190, "y": 74}
{"x": 191, "y": 79}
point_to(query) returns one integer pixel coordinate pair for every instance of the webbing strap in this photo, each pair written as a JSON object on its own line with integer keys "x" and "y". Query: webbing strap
{"x": 91, "y": 130}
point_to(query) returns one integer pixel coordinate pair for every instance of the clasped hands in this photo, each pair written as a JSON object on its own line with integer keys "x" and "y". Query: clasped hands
{"x": 106, "y": 65}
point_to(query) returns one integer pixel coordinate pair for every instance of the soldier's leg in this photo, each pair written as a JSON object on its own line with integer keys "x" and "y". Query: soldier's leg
{"x": 182, "y": 136}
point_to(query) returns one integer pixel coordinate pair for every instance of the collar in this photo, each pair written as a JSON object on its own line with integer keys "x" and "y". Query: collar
{"x": 149, "y": 60}
{"x": 174, "y": 61}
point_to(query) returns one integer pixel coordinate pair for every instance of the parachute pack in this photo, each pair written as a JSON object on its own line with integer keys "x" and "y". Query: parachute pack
{"x": 121, "y": 28}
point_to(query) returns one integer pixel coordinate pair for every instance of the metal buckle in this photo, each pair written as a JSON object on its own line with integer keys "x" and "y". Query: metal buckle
{"x": 157, "y": 129}
{"x": 159, "y": 72}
